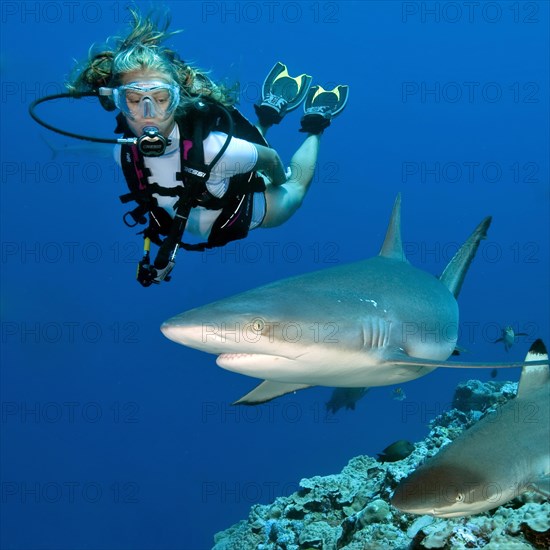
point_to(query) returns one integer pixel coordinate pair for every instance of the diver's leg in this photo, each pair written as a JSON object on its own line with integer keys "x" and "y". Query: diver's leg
{"x": 282, "y": 201}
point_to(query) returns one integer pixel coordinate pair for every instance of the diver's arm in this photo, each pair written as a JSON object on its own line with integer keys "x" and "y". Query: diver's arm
{"x": 270, "y": 164}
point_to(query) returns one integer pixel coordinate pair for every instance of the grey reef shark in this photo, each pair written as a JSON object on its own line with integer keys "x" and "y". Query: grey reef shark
{"x": 500, "y": 457}
{"x": 375, "y": 322}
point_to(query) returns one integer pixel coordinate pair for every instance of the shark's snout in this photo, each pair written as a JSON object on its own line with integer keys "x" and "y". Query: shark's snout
{"x": 188, "y": 329}
{"x": 171, "y": 330}
{"x": 406, "y": 498}
{"x": 182, "y": 330}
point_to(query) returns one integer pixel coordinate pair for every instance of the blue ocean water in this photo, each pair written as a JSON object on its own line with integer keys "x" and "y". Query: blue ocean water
{"x": 113, "y": 437}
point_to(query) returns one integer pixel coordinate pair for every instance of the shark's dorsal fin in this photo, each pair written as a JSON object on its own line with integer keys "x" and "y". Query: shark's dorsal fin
{"x": 533, "y": 377}
{"x": 393, "y": 246}
{"x": 453, "y": 275}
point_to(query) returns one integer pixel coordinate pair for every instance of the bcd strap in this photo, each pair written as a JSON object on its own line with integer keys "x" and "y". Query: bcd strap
{"x": 136, "y": 174}
{"x": 198, "y": 123}
{"x": 194, "y": 175}
{"x": 233, "y": 223}
{"x": 169, "y": 247}
{"x": 236, "y": 204}
{"x": 243, "y": 128}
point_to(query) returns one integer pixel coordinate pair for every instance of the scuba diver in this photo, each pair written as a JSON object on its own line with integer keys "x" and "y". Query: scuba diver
{"x": 191, "y": 160}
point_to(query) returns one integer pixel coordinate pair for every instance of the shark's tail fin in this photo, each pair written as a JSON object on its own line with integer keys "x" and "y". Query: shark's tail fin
{"x": 453, "y": 275}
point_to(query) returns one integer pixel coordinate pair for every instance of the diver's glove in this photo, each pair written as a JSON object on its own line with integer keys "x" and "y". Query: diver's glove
{"x": 148, "y": 274}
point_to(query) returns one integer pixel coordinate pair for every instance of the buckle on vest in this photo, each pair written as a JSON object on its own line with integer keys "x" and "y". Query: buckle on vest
{"x": 137, "y": 214}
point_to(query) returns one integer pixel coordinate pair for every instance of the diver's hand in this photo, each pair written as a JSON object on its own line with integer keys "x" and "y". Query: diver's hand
{"x": 148, "y": 274}
{"x": 270, "y": 164}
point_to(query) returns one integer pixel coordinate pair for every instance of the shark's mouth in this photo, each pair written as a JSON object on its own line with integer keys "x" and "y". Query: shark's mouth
{"x": 224, "y": 358}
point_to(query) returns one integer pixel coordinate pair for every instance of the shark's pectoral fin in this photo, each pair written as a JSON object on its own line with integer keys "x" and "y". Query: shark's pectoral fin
{"x": 541, "y": 486}
{"x": 267, "y": 391}
{"x": 458, "y": 350}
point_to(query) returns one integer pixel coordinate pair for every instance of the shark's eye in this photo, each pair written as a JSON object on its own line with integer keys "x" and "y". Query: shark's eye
{"x": 257, "y": 324}
{"x": 460, "y": 497}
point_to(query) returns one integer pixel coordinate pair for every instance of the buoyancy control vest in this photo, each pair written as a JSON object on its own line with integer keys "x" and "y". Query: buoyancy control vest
{"x": 236, "y": 204}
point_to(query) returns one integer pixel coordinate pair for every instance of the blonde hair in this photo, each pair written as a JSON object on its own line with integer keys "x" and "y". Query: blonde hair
{"x": 142, "y": 49}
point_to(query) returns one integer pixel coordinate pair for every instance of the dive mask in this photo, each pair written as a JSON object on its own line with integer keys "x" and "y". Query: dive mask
{"x": 138, "y": 100}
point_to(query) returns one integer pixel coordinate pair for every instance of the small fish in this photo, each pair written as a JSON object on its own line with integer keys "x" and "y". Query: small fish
{"x": 345, "y": 397}
{"x": 494, "y": 373}
{"x": 509, "y": 337}
{"x": 396, "y": 451}
{"x": 398, "y": 394}
{"x": 458, "y": 350}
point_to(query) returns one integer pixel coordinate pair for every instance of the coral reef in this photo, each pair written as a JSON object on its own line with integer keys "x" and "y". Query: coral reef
{"x": 351, "y": 510}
